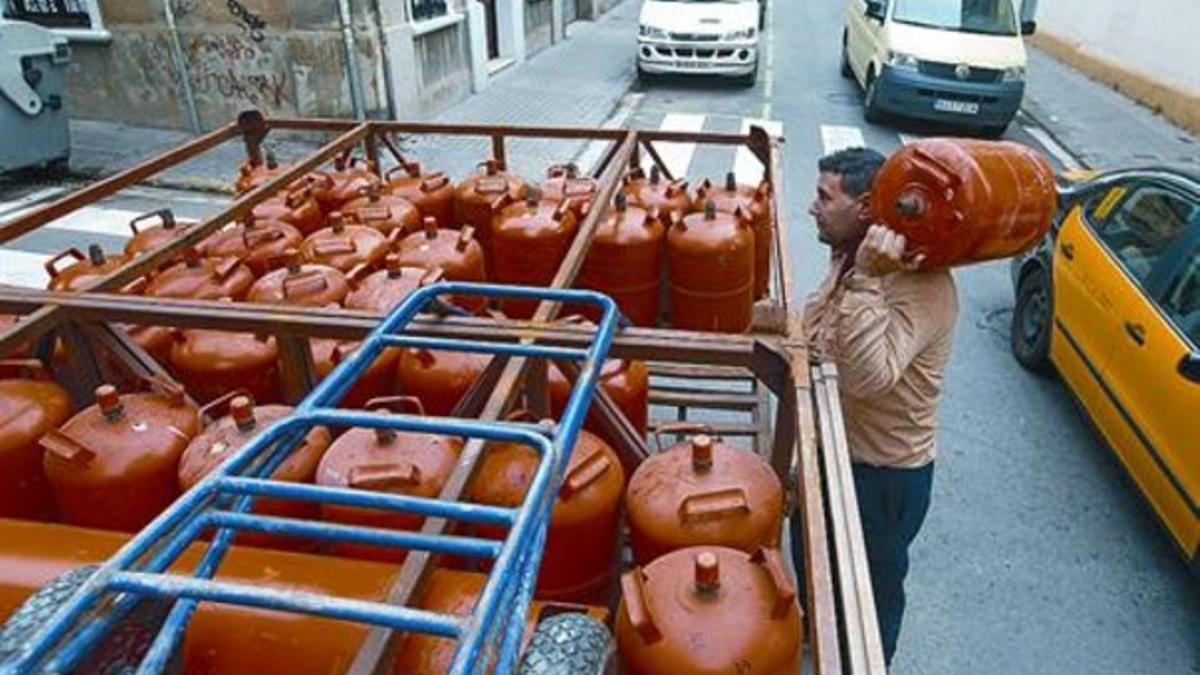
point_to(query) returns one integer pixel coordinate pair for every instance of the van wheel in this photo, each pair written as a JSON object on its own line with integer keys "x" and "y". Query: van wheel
{"x": 847, "y": 71}
{"x": 871, "y": 111}
{"x": 750, "y": 79}
{"x": 1029, "y": 337}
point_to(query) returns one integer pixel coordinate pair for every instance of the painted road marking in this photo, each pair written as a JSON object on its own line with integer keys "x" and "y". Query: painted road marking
{"x": 19, "y": 268}
{"x": 1064, "y": 156}
{"x": 678, "y": 156}
{"x": 835, "y": 137}
{"x": 747, "y": 167}
{"x": 594, "y": 151}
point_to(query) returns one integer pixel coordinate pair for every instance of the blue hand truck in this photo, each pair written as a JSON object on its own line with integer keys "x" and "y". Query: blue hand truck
{"x": 489, "y": 634}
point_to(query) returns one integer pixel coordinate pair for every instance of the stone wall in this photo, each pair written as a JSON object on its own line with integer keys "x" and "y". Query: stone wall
{"x": 285, "y": 57}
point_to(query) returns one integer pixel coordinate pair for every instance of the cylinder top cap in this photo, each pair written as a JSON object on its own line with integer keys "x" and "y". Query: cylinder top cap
{"x": 702, "y": 452}
{"x": 109, "y": 400}
{"x": 241, "y": 408}
{"x": 708, "y": 572}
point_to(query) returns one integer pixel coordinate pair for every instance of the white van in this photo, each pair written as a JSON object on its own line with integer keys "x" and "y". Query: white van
{"x": 706, "y": 37}
{"x": 958, "y": 61}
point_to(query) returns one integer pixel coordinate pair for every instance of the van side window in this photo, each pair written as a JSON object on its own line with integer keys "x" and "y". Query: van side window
{"x": 1144, "y": 226}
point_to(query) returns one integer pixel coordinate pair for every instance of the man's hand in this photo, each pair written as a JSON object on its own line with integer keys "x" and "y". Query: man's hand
{"x": 882, "y": 252}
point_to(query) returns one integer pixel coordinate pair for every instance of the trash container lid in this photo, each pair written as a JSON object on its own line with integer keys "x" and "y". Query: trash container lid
{"x": 19, "y": 39}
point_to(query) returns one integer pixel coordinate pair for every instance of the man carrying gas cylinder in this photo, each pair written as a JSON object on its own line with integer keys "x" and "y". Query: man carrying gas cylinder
{"x": 888, "y": 328}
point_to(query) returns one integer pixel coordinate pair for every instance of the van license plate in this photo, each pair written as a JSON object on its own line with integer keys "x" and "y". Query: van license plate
{"x": 961, "y": 107}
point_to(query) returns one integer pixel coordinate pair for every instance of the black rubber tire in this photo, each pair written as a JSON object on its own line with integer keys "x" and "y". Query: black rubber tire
{"x": 121, "y": 651}
{"x": 1029, "y": 335}
{"x": 847, "y": 71}
{"x": 569, "y": 644}
{"x": 645, "y": 77}
{"x": 871, "y": 110}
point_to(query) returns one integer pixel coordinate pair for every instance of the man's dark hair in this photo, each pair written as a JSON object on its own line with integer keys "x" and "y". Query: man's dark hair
{"x": 856, "y": 166}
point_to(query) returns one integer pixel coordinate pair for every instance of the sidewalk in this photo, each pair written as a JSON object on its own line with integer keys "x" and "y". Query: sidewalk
{"x": 577, "y": 82}
{"x": 1100, "y": 126}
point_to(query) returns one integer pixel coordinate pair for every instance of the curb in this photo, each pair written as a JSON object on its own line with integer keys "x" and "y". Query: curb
{"x": 1175, "y": 101}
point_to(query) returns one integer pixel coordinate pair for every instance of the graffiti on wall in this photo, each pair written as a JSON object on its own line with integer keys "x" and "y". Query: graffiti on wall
{"x": 249, "y": 21}
{"x": 240, "y": 71}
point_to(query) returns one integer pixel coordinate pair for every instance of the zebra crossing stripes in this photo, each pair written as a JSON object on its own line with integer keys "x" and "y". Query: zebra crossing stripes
{"x": 678, "y": 156}
{"x": 22, "y": 268}
{"x": 836, "y": 137}
{"x": 748, "y": 168}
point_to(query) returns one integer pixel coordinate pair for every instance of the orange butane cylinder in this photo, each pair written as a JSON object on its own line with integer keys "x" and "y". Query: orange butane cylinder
{"x": 297, "y": 208}
{"x": 530, "y": 239}
{"x": 350, "y": 180}
{"x": 383, "y": 460}
{"x": 382, "y": 211}
{"x": 670, "y": 198}
{"x": 212, "y": 363}
{"x": 438, "y": 379}
{"x": 229, "y": 434}
{"x": 581, "y": 544}
{"x": 220, "y": 639}
{"x": 625, "y": 262}
{"x": 200, "y": 278}
{"x": 960, "y": 201}
{"x": 300, "y": 284}
{"x": 113, "y": 465}
{"x": 343, "y": 246}
{"x": 149, "y": 237}
{"x": 710, "y": 258}
{"x": 86, "y": 269}
{"x": 755, "y": 202}
{"x": 260, "y": 244}
{"x": 626, "y": 382}
{"x": 30, "y": 405}
{"x": 379, "y": 379}
{"x": 563, "y": 182}
{"x": 710, "y": 609}
{"x": 455, "y": 252}
{"x": 476, "y": 196}
{"x": 702, "y": 492}
{"x": 432, "y": 193}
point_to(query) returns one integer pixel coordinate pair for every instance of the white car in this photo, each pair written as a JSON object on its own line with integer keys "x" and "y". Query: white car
{"x": 709, "y": 37}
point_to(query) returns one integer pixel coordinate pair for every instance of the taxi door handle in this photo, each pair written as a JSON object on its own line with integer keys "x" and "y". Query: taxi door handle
{"x": 1136, "y": 331}
{"x": 1068, "y": 250}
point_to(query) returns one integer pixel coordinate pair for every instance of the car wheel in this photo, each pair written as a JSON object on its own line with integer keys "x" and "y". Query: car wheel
{"x": 847, "y": 71}
{"x": 871, "y": 111}
{"x": 1031, "y": 323}
{"x": 574, "y": 644}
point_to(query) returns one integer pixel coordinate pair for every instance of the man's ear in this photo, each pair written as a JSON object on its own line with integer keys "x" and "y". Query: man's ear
{"x": 863, "y": 202}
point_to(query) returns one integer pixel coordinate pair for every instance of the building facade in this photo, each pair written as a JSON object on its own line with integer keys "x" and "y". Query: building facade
{"x": 194, "y": 64}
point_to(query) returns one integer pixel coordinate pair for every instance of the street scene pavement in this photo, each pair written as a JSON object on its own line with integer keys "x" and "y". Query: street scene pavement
{"x": 1038, "y": 554}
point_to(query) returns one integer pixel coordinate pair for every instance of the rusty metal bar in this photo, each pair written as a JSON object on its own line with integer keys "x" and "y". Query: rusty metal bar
{"x": 42, "y": 319}
{"x": 113, "y": 184}
{"x": 657, "y": 159}
{"x": 705, "y": 400}
{"x": 296, "y": 371}
{"x": 498, "y": 149}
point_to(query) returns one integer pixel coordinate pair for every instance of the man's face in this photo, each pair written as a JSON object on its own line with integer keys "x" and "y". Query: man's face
{"x": 841, "y": 219}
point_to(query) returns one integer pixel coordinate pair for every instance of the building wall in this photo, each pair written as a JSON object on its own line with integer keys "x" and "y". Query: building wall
{"x": 538, "y": 26}
{"x": 1146, "y": 49}
{"x": 285, "y": 57}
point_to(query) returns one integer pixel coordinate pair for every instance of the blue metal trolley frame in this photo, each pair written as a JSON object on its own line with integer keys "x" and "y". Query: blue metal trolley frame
{"x": 491, "y": 633}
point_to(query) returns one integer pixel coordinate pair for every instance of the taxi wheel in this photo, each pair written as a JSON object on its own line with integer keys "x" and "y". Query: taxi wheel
{"x": 1030, "y": 333}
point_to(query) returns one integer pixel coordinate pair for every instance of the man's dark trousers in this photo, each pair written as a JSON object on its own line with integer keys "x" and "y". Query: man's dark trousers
{"x": 892, "y": 504}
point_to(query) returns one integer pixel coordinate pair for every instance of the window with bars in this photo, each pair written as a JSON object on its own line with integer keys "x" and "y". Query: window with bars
{"x": 50, "y": 13}
{"x": 423, "y": 10}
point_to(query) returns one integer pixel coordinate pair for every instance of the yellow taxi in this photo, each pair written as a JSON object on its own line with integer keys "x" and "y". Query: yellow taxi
{"x": 1111, "y": 302}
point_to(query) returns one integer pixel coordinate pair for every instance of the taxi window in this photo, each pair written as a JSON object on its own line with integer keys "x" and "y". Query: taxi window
{"x": 1182, "y": 300}
{"x": 1140, "y": 231}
